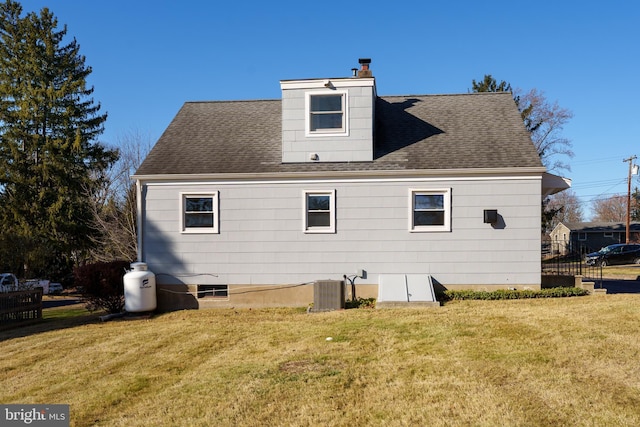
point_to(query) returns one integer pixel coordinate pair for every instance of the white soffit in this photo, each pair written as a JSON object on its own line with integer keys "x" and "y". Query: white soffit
{"x": 552, "y": 184}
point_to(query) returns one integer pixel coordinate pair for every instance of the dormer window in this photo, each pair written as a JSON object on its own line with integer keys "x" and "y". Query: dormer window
{"x": 326, "y": 113}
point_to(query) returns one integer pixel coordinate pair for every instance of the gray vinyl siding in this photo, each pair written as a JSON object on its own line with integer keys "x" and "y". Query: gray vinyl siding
{"x": 261, "y": 238}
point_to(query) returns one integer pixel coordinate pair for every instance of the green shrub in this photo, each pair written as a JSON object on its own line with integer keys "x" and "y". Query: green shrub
{"x": 102, "y": 285}
{"x": 360, "y": 302}
{"x": 503, "y": 294}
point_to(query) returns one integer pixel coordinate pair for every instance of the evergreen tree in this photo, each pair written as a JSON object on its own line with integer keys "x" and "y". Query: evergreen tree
{"x": 50, "y": 160}
{"x": 489, "y": 84}
{"x": 635, "y": 205}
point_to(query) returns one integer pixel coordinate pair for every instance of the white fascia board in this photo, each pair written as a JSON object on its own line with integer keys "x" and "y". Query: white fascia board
{"x": 328, "y": 83}
{"x": 372, "y": 175}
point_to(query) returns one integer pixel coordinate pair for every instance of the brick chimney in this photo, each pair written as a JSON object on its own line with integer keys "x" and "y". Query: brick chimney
{"x": 364, "y": 70}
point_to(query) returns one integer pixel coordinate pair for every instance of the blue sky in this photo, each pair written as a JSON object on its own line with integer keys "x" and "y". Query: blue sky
{"x": 149, "y": 57}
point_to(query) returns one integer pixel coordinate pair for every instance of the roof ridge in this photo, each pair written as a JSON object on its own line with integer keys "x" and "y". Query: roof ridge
{"x": 231, "y": 101}
{"x": 452, "y": 94}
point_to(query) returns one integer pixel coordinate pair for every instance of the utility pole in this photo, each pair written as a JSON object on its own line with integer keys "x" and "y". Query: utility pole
{"x": 630, "y": 160}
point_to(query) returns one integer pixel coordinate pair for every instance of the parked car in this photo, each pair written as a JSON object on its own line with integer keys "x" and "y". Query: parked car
{"x": 55, "y": 288}
{"x": 8, "y": 282}
{"x": 615, "y": 254}
{"x": 37, "y": 283}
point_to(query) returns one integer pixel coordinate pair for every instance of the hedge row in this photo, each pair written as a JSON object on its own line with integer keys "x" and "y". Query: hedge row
{"x": 501, "y": 294}
{"x": 361, "y": 303}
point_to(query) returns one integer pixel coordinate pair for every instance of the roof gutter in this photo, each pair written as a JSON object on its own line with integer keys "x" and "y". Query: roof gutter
{"x": 411, "y": 173}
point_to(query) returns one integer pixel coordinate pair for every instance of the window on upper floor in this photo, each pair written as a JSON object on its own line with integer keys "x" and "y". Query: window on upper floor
{"x": 199, "y": 213}
{"x": 430, "y": 210}
{"x": 326, "y": 113}
{"x": 320, "y": 211}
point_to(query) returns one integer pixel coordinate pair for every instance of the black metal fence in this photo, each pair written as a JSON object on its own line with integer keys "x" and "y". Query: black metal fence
{"x": 567, "y": 259}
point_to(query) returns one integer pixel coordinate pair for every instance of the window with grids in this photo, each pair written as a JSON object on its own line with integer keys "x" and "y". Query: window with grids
{"x": 326, "y": 113}
{"x": 200, "y": 213}
{"x": 319, "y": 211}
{"x": 430, "y": 210}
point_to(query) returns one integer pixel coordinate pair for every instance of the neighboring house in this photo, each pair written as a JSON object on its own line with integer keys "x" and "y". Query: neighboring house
{"x": 244, "y": 203}
{"x": 582, "y": 237}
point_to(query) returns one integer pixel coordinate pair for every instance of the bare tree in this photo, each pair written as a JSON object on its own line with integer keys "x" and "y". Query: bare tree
{"x": 114, "y": 208}
{"x": 611, "y": 209}
{"x": 566, "y": 206}
{"x": 545, "y": 121}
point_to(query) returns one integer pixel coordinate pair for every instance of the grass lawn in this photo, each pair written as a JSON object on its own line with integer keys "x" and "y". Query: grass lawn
{"x": 572, "y": 361}
{"x": 621, "y": 271}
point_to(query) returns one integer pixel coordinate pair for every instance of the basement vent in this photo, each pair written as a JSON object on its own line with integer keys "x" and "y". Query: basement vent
{"x": 328, "y": 295}
{"x": 213, "y": 291}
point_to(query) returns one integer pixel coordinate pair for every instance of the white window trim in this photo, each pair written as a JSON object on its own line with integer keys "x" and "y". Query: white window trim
{"x": 216, "y": 214}
{"x": 446, "y": 192}
{"x": 582, "y": 236}
{"x": 332, "y": 212}
{"x": 345, "y": 114}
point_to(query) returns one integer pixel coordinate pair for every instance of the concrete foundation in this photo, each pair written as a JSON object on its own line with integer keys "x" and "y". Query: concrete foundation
{"x": 171, "y": 297}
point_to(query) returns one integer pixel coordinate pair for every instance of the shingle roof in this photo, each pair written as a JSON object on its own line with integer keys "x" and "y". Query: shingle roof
{"x": 477, "y": 130}
{"x": 600, "y": 226}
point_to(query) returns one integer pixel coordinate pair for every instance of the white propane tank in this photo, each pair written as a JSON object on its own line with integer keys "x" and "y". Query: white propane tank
{"x": 139, "y": 289}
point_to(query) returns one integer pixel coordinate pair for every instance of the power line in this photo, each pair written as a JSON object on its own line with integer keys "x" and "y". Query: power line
{"x": 602, "y": 183}
{"x": 593, "y": 161}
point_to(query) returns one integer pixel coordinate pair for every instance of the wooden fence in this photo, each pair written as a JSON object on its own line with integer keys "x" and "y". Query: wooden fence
{"x": 20, "y": 306}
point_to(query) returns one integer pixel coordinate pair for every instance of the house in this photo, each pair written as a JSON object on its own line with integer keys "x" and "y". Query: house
{"x": 247, "y": 203}
{"x": 583, "y": 237}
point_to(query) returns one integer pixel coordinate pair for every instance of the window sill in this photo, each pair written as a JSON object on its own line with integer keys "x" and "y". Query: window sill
{"x": 327, "y": 133}
{"x": 430, "y": 230}
{"x": 200, "y": 231}
{"x": 321, "y": 231}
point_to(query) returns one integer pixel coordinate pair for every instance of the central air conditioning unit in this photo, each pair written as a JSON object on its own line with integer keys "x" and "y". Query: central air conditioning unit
{"x": 328, "y": 295}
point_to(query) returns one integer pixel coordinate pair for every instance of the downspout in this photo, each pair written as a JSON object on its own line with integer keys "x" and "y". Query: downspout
{"x": 139, "y": 217}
